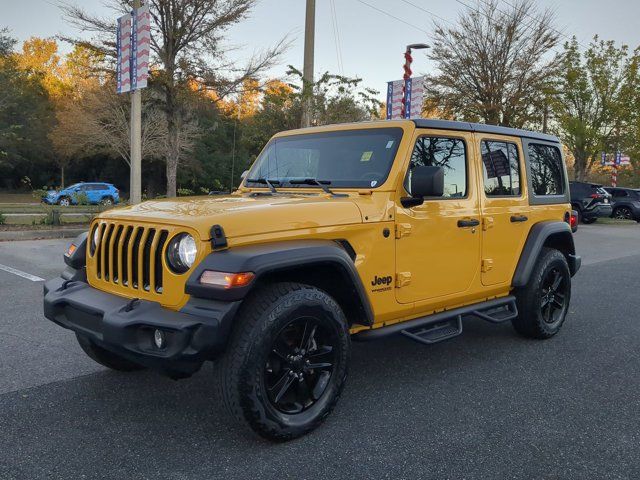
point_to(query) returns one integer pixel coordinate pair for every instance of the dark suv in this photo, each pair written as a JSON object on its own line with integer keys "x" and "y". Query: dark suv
{"x": 625, "y": 203}
{"x": 590, "y": 200}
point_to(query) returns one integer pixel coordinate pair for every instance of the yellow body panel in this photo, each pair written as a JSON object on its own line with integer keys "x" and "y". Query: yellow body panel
{"x": 434, "y": 264}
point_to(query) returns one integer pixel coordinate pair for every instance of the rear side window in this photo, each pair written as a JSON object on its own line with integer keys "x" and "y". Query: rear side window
{"x": 545, "y": 163}
{"x": 449, "y": 153}
{"x": 501, "y": 169}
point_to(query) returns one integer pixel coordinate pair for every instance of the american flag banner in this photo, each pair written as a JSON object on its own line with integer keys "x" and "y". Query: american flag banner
{"x": 141, "y": 41}
{"x": 415, "y": 97}
{"x": 394, "y": 99}
{"x": 123, "y": 68}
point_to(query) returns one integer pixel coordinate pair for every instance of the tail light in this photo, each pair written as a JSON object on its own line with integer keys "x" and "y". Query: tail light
{"x": 574, "y": 220}
{"x": 596, "y": 195}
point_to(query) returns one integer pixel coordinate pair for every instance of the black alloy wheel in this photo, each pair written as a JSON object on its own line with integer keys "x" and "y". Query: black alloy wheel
{"x": 300, "y": 365}
{"x": 286, "y": 362}
{"x": 553, "y": 296}
{"x": 543, "y": 302}
{"x": 623, "y": 213}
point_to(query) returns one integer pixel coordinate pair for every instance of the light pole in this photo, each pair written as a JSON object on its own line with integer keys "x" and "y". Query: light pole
{"x": 407, "y": 72}
{"x": 135, "y": 179}
{"x": 307, "y": 74}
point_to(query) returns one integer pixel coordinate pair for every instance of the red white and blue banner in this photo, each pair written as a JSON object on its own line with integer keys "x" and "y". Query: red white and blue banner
{"x": 134, "y": 43}
{"x": 611, "y": 159}
{"x": 141, "y": 42}
{"x": 123, "y": 68}
{"x": 413, "y": 93}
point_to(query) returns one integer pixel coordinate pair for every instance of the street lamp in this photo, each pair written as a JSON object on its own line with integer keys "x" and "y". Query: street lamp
{"x": 407, "y": 72}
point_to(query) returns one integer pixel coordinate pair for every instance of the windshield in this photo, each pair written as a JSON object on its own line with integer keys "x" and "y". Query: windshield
{"x": 349, "y": 158}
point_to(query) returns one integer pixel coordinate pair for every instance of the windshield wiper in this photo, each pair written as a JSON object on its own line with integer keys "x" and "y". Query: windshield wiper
{"x": 265, "y": 181}
{"x": 314, "y": 181}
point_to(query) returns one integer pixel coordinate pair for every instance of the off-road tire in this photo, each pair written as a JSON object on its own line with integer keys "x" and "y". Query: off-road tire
{"x": 106, "y": 358}
{"x": 240, "y": 378}
{"x": 530, "y": 322}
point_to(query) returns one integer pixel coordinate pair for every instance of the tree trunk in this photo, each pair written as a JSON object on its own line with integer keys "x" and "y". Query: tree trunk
{"x": 173, "y": 148}
{"x": 62, "y": 176}
{"x": 580, "y": 168}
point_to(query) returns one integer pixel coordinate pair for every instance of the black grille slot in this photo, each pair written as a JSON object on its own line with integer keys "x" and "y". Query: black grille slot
{"x": 125, "y": 256}
{"x": 117, "y": 254}
{"x": 158, "y": 261}
{"x": 134, "y": 255}
{"x": 146, "y": 260}
{"x": 107, "y": 257}
{"x": 99, "y": 252}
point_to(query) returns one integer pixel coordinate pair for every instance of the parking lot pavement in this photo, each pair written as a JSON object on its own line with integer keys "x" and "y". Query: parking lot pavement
{"x": 488, "y": 404}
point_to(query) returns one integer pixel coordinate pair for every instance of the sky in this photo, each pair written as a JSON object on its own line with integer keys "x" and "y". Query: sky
{"x": 371, "y": 41}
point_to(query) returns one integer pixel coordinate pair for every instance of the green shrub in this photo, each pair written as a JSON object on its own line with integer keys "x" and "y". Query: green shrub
{"x": 184, "y": 192}
{"x": 3, "y": 219}
{"x": 52, "y": 217}
{"x": 81, "y": 198}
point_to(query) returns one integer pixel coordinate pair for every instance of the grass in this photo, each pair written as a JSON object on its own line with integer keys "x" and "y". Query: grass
{"x": 614, "y": 221}
{"x": 20, "y": 198}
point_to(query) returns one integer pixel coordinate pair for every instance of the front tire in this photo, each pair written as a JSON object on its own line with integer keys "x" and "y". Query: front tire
{"x": 105, "y": 357}
{"x": 64, "y": 202}
{"x": 543, "y": 302}
{"x": 287, "y": 361}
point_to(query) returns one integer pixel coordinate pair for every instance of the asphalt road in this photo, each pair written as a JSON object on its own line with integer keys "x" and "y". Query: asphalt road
{"x": 488, "y": 404}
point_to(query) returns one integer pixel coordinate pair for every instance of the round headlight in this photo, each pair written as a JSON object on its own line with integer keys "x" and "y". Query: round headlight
{"x": 95, "y": 240}
{"x": 181, "y": 252}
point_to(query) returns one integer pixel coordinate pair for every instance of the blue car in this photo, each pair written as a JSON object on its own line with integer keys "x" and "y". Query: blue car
{"x": 96, "y": 193}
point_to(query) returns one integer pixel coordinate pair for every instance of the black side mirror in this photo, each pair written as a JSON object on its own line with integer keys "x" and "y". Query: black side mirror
{"x": 424, "y": 182}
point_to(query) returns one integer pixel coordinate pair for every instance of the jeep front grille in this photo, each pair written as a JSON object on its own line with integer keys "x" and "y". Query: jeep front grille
{"x": 130, "y": 256}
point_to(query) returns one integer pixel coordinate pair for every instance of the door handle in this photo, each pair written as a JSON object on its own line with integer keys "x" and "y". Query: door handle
{"x": 519, "y": 218}
{"x": 474, "y": 222}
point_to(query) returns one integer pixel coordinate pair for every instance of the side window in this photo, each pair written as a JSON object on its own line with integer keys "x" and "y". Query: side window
{"x": 501, "y": 169}
{"x": 449, "y": 153}
{"x": 545, "y": 163}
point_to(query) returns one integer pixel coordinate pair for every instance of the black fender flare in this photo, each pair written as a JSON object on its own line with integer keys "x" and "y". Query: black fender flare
{"x": 278, "y": 257}
{"x": 538, "y": 236}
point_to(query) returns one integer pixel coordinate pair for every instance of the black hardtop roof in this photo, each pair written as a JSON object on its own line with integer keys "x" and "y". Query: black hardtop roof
{"x": 483, "y": 128}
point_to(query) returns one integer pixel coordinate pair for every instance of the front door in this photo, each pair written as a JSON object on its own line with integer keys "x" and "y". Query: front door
{"x": 438, "y": 242}
{"x": 505, "y": 208}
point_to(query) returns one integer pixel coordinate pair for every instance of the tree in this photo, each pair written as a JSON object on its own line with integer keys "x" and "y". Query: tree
{"x": 186, "y": 45}
{"x": 26, "y": 115}
{"x": 495, "y": 65}
{"x": 592, "y": 95}
{"x": 100, "y": 124}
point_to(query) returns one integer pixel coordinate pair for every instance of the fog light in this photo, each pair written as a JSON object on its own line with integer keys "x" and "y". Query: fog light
{"x": 158, "y": 338}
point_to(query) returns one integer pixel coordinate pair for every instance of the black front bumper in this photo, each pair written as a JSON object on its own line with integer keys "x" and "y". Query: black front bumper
{"x": 196, "y": 333}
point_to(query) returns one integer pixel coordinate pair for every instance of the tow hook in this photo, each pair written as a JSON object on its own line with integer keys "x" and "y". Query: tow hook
{"x": 131, "y": 305}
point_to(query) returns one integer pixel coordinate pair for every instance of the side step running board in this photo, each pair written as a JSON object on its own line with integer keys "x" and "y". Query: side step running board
{"x": 436, "y": 332}
{"x": 447, "y": 324}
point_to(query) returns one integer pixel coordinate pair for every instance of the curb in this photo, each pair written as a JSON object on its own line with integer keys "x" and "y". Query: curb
{"x": 13, "y": 235}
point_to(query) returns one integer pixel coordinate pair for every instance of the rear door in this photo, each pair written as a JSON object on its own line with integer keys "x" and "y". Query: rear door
{"x": 504, "y": 205}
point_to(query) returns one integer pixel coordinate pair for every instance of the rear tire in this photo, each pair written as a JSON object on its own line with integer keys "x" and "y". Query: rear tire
{"x": 623, "y": 213}
{"x": 286, "y": 362}
{"x": 543, "y": 302}
{"x": 107, "y": 201}
{"x": 106, "y": 358}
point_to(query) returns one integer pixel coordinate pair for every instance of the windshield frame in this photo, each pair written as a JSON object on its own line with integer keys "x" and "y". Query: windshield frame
{"x": 330, "y": 182}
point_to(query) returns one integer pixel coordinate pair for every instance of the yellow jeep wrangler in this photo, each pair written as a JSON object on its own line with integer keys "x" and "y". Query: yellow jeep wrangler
{"x": 340, "y": 232}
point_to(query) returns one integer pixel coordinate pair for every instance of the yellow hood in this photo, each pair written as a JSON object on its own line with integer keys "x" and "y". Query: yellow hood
{"x": 242, "y": 215}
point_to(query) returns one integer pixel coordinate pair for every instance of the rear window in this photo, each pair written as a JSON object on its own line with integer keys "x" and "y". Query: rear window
{"x": 545, "y": 163}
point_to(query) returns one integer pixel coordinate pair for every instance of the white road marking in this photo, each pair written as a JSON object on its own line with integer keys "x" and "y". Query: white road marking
{"x": 20, "y": 273}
